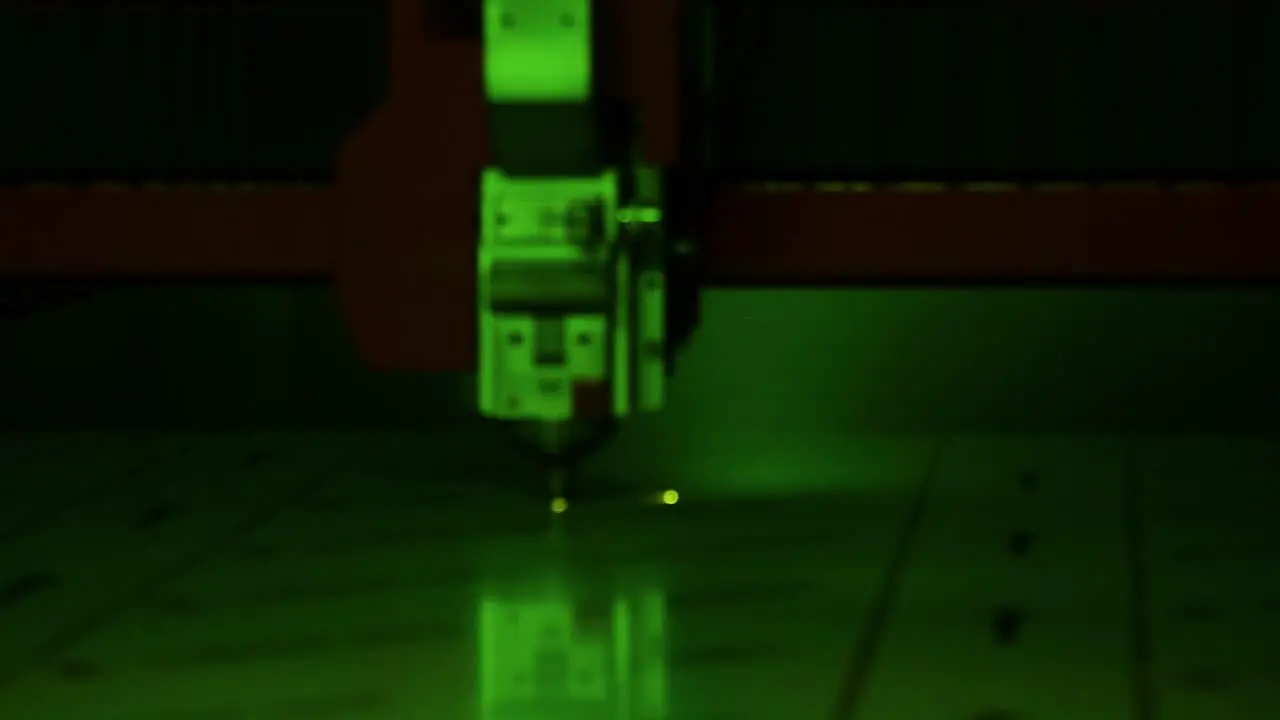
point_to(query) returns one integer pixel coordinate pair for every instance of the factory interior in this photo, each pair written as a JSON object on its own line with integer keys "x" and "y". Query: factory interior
{"x": 863, "y": 501}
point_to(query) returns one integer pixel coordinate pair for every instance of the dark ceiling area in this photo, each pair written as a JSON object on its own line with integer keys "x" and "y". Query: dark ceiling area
{"x": 845, "y": 90}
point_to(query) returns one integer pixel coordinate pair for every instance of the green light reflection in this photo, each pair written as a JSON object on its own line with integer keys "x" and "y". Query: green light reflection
{"x": 558, "y": 655}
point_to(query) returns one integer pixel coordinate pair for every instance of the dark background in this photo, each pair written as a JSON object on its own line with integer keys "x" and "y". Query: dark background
{"x": 920, "y": 89}
{"x": 851, "y": 89}
{"x": 845, "y": 91}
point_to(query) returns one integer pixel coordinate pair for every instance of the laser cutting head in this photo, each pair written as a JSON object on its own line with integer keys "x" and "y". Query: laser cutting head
{"x": 572, "y": 257}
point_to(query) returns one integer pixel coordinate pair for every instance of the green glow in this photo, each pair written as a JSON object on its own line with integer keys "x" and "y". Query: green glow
{"x": 539, "y": 659}
{"x": 538, "y": 51}
{"x": 639, "y": 215}
{"x": 559, "y": 505}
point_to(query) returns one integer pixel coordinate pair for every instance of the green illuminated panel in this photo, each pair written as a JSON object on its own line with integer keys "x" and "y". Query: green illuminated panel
{"x": 537, "y": 51}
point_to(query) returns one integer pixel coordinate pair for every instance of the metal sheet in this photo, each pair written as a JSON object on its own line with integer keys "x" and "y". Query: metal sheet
{"x": 373, "y": 577}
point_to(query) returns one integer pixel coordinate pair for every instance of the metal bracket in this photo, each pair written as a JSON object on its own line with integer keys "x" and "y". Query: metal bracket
{"x": 571, "y": 298}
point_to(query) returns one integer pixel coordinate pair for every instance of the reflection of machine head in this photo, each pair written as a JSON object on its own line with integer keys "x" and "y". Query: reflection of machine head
{"x": 553, "y": 653}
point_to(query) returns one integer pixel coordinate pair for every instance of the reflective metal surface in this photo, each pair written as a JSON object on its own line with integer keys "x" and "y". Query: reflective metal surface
{"x": 278, "y": 576}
